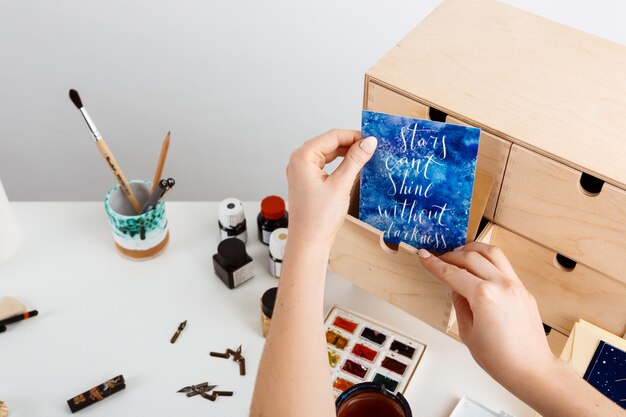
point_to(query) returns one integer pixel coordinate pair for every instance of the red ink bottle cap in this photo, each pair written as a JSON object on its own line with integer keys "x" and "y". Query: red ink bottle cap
{"x": 273, "y": 207}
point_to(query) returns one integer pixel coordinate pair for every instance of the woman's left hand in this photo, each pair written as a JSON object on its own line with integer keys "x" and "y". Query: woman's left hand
{"x": 318, "y": 201}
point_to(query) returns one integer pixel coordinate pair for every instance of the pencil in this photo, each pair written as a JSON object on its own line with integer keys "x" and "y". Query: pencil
{"x": 159, "y": 170}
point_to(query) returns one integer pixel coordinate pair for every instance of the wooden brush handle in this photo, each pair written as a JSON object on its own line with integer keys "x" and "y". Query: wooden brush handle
{"x": 119, "y": 175}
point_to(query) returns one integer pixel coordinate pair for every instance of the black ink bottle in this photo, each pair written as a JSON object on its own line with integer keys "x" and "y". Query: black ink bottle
{"x": 232, "y": 263}
{"x": 278, "y": 241}
{"x": 268, "y": 300}
{"x": 272, "y": 216}
{"x": 232, "y": 220}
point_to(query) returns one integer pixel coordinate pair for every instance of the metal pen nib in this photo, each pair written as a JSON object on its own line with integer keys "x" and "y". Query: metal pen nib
{"x": 181, "y": 327}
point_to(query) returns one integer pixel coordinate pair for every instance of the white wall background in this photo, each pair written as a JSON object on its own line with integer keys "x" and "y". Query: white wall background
{"x": 239, "y": 84}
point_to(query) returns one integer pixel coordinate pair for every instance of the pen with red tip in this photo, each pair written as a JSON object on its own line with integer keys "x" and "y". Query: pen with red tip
{"x": 15, "y": 319}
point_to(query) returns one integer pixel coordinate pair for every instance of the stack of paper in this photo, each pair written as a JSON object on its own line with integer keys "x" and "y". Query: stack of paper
{"x": 470, "y": 408}
{"x": 583, "y": 343}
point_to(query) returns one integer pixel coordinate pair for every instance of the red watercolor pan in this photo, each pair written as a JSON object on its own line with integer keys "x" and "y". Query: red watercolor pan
{"x": 345, "y": 324}
{"x": 364, "y": 352}
{"x": 355, "y": 369}
{"x": 394, "y": 365}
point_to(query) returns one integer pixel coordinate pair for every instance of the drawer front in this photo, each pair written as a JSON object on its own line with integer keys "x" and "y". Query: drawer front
{"x": 563, "y": 296}
{"x": 384, "y": 100}
{"x": 360, "y": 256}
{"x": 543, "y": 200}
{"x": 493, "y": 153}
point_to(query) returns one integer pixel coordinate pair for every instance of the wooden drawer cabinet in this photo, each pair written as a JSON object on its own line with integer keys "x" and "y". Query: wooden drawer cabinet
{"x": 551, "y": 103}
{"x": 545, "y": 201}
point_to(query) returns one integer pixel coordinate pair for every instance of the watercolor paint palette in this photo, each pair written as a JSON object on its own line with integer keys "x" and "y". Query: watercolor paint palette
{"x": 361, "y": 350}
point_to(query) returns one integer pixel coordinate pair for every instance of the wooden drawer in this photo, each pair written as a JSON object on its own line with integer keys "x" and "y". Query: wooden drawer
{"x": 384, "y": 100}
{"x": 493, "y": 153}
{"x": 360, "y": 255}
{"x": 543, "y": 200}
{"x": 563, "y": 296}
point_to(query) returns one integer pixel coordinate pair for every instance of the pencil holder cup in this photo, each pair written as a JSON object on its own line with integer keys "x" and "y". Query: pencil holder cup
{"x": 136, "y": 236}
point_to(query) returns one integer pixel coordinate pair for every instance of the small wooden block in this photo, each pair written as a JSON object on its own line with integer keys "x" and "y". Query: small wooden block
{"x": 10, "y": 307}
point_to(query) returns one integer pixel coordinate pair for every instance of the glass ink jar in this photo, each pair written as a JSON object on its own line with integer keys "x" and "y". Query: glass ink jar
{"x": 369, "y": 399}
{"x": 232, "y": 220}
{"x": 272, "y": 216}
{"x": 278, "y": 242}
{"x": 268, "y": 300}
{"x": 232, "y": 263}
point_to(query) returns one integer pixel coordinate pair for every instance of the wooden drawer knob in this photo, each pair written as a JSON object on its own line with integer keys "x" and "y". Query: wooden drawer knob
{"x": 437, "y": 115}
{"x": 564, "y": 263}
{"x": 590, "y": 185}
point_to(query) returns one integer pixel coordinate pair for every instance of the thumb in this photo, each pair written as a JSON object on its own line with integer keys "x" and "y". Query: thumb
{"x": 359, "y": 153}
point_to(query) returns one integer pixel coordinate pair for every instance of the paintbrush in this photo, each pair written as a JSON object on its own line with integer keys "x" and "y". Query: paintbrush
{"x": 161, "y": 164}
{"x": 106, "y": 152}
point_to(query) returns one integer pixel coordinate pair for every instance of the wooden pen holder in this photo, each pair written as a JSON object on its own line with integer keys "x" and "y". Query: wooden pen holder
{"x": 550, "y": 101}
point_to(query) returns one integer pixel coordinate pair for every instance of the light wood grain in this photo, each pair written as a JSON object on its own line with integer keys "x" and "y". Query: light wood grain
{"x": 384, "y": 100}
{"x": 493, "y": 153}
{"x": 161, "y": 164}
{"x": 360, "y": 256}
{"x": 542, "y": 200}
{"x": 553, "y": 89}
{"x": 563, "y": 297}
{"x": 556, "y": 341}
{"x": 118, "y": 174}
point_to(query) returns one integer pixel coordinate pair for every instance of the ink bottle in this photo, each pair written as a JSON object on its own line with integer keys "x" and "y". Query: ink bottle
{"x": 272, "y": 216}
{"x": 278, "y": 241}
{"x": 232, "y": 263}
{"x": 232, "y": 220}
{"x": 268, "y": 300}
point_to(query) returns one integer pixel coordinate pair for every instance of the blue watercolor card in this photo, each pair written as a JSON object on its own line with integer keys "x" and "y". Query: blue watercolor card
{"x": 607, "y": 372}
{"x": 417, "y": 188}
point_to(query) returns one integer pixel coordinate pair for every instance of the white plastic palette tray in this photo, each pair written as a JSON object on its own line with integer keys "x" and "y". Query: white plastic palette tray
{"x": 361, "y": 350}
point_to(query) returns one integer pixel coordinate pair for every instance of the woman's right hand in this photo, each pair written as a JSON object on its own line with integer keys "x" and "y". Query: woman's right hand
{"x": 498, "y": 318}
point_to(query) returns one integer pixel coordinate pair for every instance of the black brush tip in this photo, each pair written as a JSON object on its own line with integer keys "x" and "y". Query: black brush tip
{"x": 76, "y": 99}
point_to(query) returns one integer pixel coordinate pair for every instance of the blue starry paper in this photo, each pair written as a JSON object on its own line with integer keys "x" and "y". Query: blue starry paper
{"x": 607, "y": 372}
{"x": 417, "y": 188}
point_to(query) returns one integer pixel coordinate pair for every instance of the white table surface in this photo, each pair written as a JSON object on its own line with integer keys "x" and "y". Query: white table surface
{"x": 101, "y": 315}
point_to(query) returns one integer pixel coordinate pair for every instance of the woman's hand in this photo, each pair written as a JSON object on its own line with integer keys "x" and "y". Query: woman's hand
{"x": 318, "y": 202}
{"x": 498, "y": 318}
{"x": 500, "y": 324}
